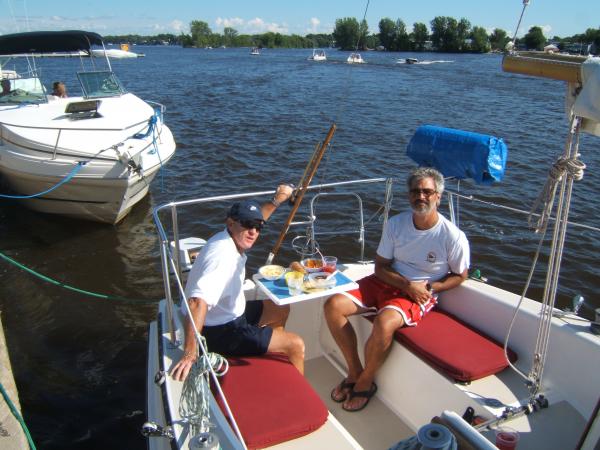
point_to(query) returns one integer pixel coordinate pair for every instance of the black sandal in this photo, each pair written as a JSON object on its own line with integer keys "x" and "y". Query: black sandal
{"x": 343, "y": 386}
{"x": 364, "y": 394}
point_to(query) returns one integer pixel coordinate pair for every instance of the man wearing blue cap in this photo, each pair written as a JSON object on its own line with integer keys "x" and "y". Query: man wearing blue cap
{"x": 215, "y": 292}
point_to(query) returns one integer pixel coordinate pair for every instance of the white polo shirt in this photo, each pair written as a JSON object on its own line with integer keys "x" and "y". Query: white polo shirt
{"x": 424, "y": 254}
{"x": 217, "y": 277}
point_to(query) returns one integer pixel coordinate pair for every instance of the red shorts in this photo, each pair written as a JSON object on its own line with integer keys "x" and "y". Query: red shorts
{"x": 378, "y": 295}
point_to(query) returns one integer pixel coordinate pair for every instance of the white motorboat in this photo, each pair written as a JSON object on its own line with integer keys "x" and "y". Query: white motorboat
{"x": 90, "y": 156}
{"x": 543, "y": 382}
{"x": 318, "y": 55}
{"x": 355, "y": 58}
{"x": 255, "y": 51}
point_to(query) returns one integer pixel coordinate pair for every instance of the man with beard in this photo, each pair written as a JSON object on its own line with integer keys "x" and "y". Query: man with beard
{"x": 420, "y": 254}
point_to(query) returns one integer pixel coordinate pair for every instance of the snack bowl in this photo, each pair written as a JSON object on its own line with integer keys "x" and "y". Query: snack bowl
{"x": 312, "y": 265}
{"x": 319, "y": 280}
{"x": 271, "y": 271}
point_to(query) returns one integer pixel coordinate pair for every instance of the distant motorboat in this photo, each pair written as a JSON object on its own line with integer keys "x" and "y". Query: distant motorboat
{"x": 114, "y": 53}
{"x": 411, "y": 60}
{"x": 318, "y": 55}
{"x": 255, "y": 51}
{"x": 355, "y": 58}
{"x": 117, "y": 53}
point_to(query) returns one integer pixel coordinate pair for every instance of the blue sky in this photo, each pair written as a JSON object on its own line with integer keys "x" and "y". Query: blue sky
{"x": 149, "y": 17}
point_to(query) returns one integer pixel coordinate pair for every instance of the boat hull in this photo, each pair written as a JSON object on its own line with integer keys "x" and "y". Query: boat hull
{"x": 119, "y": 160}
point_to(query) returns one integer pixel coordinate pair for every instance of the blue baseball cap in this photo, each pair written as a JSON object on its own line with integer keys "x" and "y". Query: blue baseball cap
{"x": 247, "y": 210}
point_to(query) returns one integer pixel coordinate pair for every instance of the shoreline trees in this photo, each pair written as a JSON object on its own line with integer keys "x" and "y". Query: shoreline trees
{"x": 445, "y": 35}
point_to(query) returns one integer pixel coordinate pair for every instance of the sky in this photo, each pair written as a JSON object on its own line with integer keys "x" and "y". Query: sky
{"x": 151, "y": 17}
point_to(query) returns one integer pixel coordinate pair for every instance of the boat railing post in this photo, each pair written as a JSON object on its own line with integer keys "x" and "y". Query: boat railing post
{"x": 451, "y": 208}
{"x": 164, "y": 255}
{"x": 387, "y": 202}
{"x": 56, "y": 144}
{"x": 361, "y": 228}
{"x": 176, "y": 239}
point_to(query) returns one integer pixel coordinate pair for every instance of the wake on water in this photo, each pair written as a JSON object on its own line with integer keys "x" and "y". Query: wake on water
{"x": 425, "y": 62}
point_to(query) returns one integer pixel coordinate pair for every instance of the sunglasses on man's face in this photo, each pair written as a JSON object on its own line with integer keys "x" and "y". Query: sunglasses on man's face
{"x": 426, "y": 192}
{"x": 248, "y": 224}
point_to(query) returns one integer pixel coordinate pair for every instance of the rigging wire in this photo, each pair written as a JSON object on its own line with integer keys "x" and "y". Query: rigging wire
{"x": 512, "y": 42}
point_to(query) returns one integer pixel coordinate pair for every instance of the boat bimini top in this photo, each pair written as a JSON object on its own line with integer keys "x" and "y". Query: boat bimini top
{"x": 49, "y": 42}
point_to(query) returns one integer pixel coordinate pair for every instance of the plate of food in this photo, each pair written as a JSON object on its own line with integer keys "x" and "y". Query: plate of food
{"x": 319, "y": 281}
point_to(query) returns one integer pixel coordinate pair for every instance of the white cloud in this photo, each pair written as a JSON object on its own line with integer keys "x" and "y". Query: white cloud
{"x": 314, "y": 25}
{"x": 546, "y": 29}
{"x": 232, "y": 22}
{"x": 257, "y": 25}
{"x": 178, "y": 26}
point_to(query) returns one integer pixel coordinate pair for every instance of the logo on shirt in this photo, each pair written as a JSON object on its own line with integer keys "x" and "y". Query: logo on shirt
{"x": 431, "y": 258}
{"x": 253, "y": 208}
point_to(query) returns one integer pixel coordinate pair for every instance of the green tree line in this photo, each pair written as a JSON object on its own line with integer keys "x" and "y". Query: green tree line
{"x": 444, "y": 34}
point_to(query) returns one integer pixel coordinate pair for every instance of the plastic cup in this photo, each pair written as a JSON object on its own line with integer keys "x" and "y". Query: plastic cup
{"x": 506, "y": 438}
{"x": 329, "y": 264}
{"x": 295, "y": 282}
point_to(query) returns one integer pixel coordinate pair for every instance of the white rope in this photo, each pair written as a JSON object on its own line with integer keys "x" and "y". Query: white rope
{"x": 570, "y": 166}
{"x": 194, "y": 404}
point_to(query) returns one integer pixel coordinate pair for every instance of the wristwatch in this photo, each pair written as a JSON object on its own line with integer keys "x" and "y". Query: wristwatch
{"x": 275, "y": 202}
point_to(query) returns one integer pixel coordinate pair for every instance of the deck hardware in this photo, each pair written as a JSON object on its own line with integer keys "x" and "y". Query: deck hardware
{"x": 152, "y": 429}
{"x": 160, "y": 378}
{"x": 205, "y": 440}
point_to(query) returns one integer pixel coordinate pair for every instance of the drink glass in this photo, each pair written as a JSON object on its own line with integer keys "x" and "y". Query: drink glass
{"x": 329, "y": 264}
{"x": 506, "y": 438}
{"x": 295, "y": 284}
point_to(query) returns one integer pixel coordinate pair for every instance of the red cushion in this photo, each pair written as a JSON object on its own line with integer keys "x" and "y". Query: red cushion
{"x": 270, "y": 401}
{"x": 454, "y": 348}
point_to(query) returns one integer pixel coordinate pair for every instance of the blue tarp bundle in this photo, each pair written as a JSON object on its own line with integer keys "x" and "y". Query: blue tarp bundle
{"x": 459, "y": 154}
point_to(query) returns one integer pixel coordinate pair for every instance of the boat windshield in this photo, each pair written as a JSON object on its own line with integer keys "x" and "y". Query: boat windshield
{"x": 24, "y": 90}
{"x": 100, "y": 84}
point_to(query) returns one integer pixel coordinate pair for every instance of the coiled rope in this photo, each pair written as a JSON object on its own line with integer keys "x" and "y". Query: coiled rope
{"x": 195, "y": 394}
{"x": 71, "y": 288}
{"x": 18, "y": 416}
{"x": 66, "y": 179}
{"x": 571, "y": 167}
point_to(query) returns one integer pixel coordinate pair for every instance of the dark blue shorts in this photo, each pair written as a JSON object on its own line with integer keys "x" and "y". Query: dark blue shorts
{"x": 242, "y": 336}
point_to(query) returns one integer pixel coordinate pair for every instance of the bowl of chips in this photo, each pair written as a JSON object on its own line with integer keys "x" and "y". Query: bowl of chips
{"x": 271, "y": 272}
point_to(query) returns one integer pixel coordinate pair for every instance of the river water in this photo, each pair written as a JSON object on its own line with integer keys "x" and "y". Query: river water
{"x": 244, "y": 123}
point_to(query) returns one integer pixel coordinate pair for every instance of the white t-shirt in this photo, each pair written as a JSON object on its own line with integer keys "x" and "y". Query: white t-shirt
{"x": 424, "y": 254}
{"x": 217, "y": 277}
